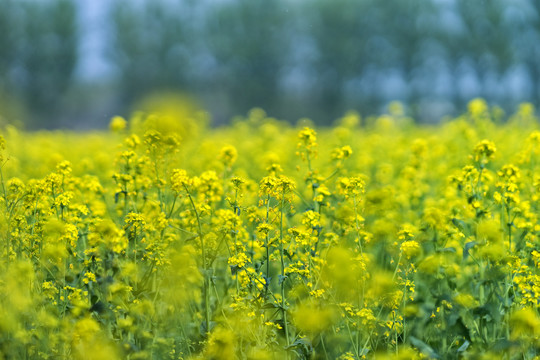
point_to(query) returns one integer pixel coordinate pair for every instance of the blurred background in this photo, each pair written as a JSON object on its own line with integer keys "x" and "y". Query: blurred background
{"x": 76, "y": 63}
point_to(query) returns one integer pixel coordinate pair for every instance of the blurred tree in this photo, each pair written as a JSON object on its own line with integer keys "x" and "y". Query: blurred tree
{"x": 526, "y": 21}
{"x": 7, "y": 39}
{"x": 249, "y": 42}
{"x": 486, "y": 40}
{"x": 341, "y": 33}
{"x": 314, "y": 58}
{"x": 151, "y": 46}
{"x": 38, "y": 53}
{"x": 356, "y": 39}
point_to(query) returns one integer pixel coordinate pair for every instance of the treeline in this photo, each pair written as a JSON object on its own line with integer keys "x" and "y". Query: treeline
{"x": 313, "y": 58}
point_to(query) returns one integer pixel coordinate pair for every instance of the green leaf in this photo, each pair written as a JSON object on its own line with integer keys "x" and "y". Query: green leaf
{"x": 424, "y": 348}
{"x": 302, "y": 347}
{"x": 458, "y": 327}
{"x": 504, "y": 344}
{"x": 461, "y": 225}
{"x": 270, "y": 305}
{"x": 202, "y": 328}
{"x": 468, "y": 246}
{"x": 464, "y": 347}
{"x": 234, "y": 269}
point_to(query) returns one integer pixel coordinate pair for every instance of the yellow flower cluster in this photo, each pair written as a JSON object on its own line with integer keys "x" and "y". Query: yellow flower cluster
{"x": 373, "y": 239}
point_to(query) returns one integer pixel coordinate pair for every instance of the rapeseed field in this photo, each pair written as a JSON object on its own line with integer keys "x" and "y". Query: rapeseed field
{"x": 375, "y": 238}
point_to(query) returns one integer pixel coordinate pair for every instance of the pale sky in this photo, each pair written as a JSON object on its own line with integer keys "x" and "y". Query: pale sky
{"x": 94, "y": 30}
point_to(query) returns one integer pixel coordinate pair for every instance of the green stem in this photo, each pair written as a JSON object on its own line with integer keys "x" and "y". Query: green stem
{"x": 283, "y": 269}
{"x": 355, "y": 346}
{"x": 8, "y": 235}
{"x": 203, "y": 251}
{"x": 357, "y": 224}
{"x": 396, "y": 333}
{"x": 160, "y": 196}
{"x": 509, "y": 224}
{"x": 267, "y": 246}
{"x": 324, "y": 347}
{"x": 3, "y": 187}
{"x": 172, "y": 206}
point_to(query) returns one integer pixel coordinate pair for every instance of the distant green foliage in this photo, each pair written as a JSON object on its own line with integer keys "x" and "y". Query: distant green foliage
{"x": 313, "y": 58}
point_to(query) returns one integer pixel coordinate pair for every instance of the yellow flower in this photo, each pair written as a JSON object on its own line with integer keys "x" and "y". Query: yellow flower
{"x": 525, "y": 322}
{"x": 313, "y": 319}
{"x": 343, "y": 152}
{"x": 228, "y": 155}
{"x": 477, "y": 107}
{"x": 117, "y": 124}
{"x": 484, "y": 151}
{"x": 410, "y": 249}
{"x": 89, "y": 277}
{"x": 221, "y": 344}
{"x": 240, "y": 260}
{"x": 308, "y": 137}
{"x": 180, "y": 180}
